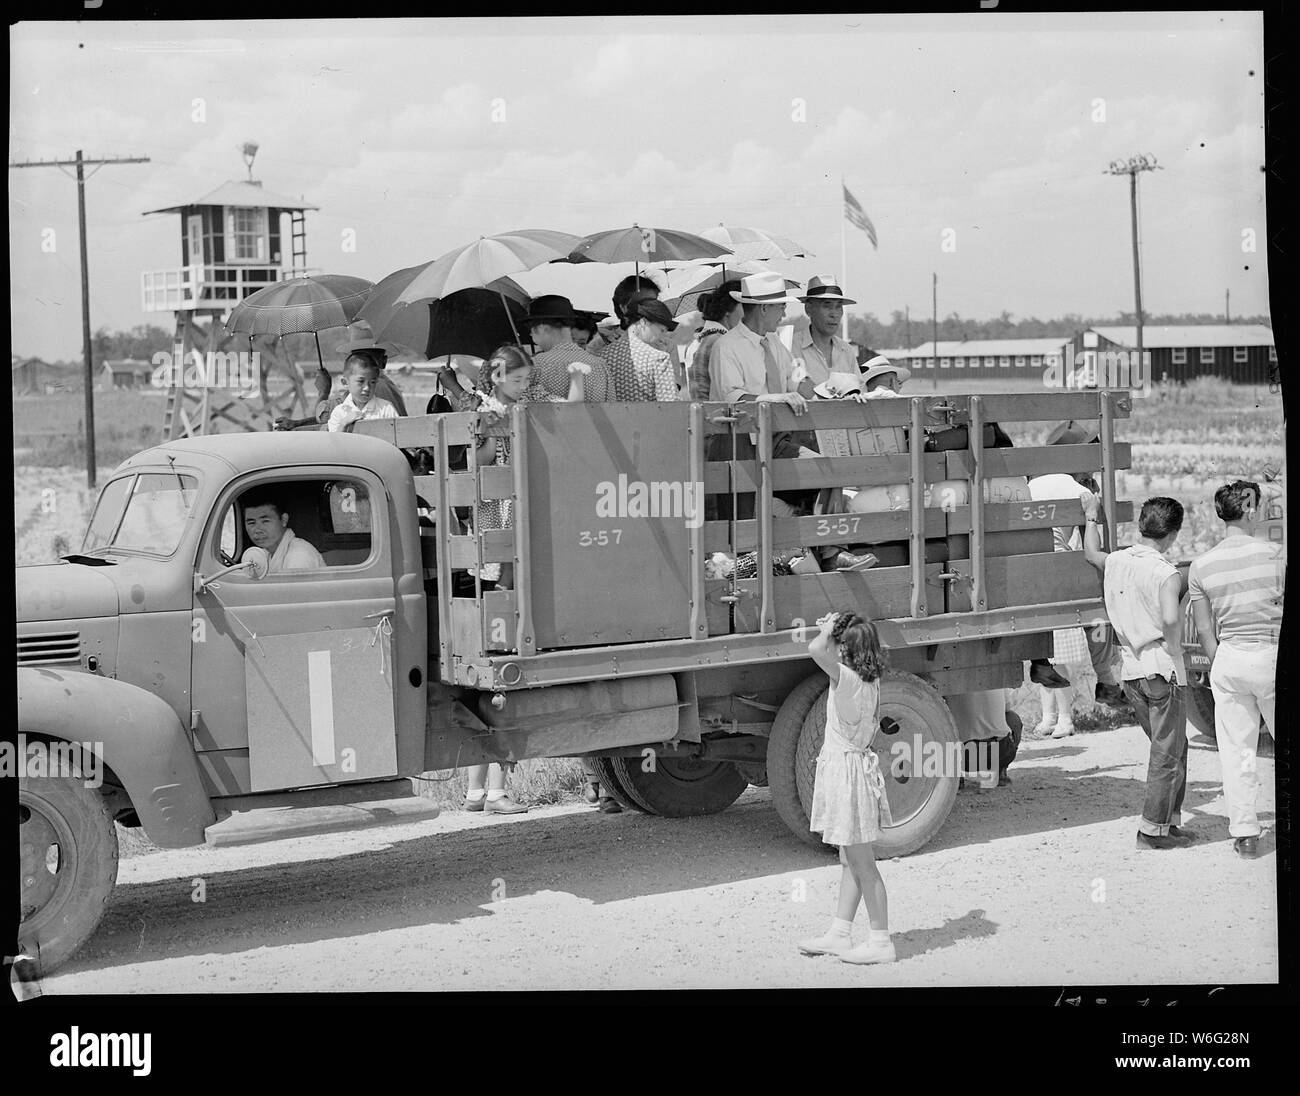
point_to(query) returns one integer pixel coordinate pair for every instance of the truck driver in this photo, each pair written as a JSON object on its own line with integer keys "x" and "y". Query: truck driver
{"x": 266, "y": 521}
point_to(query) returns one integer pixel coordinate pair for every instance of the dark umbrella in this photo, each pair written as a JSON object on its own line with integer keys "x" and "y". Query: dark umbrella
{"x": 469, "y": 321}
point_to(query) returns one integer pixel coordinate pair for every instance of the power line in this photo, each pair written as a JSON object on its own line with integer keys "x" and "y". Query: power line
{"x": 81, "y": 163}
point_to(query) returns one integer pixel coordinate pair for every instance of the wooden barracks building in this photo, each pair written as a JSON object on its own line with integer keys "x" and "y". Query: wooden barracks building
{"x": 1243, "y": 353}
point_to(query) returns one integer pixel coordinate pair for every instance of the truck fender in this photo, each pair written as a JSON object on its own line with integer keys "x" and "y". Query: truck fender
{"x": 135, "y": 734}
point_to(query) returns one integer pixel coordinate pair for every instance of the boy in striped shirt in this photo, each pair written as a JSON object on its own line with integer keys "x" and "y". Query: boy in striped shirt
{"x": 1236, "y": 594}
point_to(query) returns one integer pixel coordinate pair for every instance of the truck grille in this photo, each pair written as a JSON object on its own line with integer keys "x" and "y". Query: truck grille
{"x": 42, "y": 647}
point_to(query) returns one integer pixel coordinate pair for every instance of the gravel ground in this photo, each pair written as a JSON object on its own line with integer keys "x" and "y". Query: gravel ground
{"x": 1036, "y": 884}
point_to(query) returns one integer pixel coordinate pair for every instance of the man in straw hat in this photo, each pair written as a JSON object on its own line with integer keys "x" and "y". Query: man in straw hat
{"x": 750, "y": 363}
{"x": 361, "y": 344}
{"x": 550, "y": 321}
{"x": 819, "y": 347}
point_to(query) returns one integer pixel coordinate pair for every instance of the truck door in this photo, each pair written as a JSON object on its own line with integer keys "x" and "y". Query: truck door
{"x": 292, "y": 679}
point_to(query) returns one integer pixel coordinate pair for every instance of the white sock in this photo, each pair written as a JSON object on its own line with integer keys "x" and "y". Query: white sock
{"x": 840, "y": 927}
{"x": 475, "y": 794}
{"x": 496, "y": 793}
{"x": 878, "y": 936}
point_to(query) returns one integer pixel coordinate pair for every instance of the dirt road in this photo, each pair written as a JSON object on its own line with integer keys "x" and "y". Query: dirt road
{"x": 1037, "y": 884}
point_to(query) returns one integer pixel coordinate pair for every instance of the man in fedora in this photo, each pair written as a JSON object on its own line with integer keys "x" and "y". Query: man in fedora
{"x": 750, "y": 363}
{"x": 820, "y": 347}
{"x": 639, "y": 364}
{"x": 361, "y": 344}
{"x": 550, "y": 321}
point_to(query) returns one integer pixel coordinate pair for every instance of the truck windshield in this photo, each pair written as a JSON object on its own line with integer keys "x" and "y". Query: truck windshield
{"x": 143, "y": 513}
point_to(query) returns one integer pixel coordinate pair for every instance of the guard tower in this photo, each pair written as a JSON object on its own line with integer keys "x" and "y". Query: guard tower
{"x": 232, "y": 244}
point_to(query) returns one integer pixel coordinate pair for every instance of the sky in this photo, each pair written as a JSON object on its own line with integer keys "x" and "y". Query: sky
{"x": 978, "y": 146}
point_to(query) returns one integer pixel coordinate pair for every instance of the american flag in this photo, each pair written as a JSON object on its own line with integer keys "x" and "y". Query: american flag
{"x": 857, "y": 216}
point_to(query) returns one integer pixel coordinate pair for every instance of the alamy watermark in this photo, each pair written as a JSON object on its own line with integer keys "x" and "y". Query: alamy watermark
{"x": 1101, "y": 369}
{"x": 41, "y": 759}
{"x": 655, "y": 499}
{"x": 236, "y": 369}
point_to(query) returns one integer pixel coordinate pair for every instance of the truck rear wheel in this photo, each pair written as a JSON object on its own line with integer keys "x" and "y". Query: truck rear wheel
{"x": 909, "y": 709}
{"x": 611, "y": 785}
{"x": 679, "y": 787}
{"x": 68, "y": 862}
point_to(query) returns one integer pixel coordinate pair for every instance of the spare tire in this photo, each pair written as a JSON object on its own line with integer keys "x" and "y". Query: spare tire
{"x": 911, "y": 710}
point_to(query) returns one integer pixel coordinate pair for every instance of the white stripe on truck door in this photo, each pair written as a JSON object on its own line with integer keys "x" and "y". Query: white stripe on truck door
{"x": 320, "y": 691}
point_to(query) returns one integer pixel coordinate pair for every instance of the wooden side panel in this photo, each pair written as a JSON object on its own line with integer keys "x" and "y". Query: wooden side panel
{"x": 467, "y": 628}
{"x": 877, "y": 593}
{"x": 1037, "y": 461}
{"x": 1029, "y": 580}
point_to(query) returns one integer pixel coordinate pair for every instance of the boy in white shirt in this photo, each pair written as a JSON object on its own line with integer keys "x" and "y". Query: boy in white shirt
{"x": 360, "y": 375}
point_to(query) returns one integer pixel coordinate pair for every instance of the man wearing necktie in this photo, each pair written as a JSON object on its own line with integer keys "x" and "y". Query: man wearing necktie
{"x": 751, "y": 364}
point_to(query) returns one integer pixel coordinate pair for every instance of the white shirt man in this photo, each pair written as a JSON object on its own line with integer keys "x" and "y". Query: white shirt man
{"x": 749, "y": 362}
{"x": 267, "y": 524}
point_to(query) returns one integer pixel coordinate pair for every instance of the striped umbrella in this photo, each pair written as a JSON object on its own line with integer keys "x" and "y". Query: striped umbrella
{"x": 755, "y": 243}
{"x": 644, "y": 245}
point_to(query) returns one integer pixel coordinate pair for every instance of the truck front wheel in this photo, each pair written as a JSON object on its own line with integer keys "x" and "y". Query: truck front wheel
{"x": 68, "y": 861}
{"x": 921, "y": 790}
{"x": 679, "y": 787}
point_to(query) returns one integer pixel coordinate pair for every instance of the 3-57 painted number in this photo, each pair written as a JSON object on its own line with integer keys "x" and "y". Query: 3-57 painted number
{"x": 840, "y": 527}
{"x": 1043, "y": 511}
{"x": 599, "y": 538}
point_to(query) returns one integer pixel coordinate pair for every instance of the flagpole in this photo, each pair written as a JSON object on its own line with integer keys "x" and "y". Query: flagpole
{"x": 844, "y": 262}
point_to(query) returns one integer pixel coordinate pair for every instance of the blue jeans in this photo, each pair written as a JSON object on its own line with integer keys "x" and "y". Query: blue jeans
{"x": 1161, "y": 710}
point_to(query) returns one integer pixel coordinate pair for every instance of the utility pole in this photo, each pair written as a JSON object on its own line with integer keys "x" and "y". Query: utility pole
{"x": 934, "y": 326}
{"x": 80, "y": 163}
{"x": 1131, "y": 168}
{"x": 1227, "y": 315}
{"x": 907, "y": 318}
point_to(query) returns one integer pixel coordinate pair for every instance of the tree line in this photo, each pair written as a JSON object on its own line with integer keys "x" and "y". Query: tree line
{"x": 865, "y": 329}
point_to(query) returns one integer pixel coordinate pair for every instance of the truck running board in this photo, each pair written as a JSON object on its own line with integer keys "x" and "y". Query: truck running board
{"x": 277, "y": 823}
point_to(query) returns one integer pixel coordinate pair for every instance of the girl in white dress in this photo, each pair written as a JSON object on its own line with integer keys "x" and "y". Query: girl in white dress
{"x": 849, "y": 805}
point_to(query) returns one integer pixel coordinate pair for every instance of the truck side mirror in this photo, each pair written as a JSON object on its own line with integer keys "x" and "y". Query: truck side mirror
{"x": 258, "y": 562}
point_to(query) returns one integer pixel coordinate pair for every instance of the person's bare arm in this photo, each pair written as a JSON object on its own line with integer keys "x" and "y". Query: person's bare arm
{"x": 824, "y": 650}
{"x": 1204, "y": 619}
{"x": 1171, "y": 622}
{"x": 1092, "y": 550}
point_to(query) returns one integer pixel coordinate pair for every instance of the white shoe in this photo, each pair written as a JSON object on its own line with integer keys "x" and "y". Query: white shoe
{"x": 832, "y": 943}
{"x": 870, "y": 953}
{"x": 1063, "y": 730}
{"x": 1043, "y": 729}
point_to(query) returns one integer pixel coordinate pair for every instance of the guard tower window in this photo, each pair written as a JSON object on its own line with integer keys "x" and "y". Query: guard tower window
{"x": 249, "y": 233}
